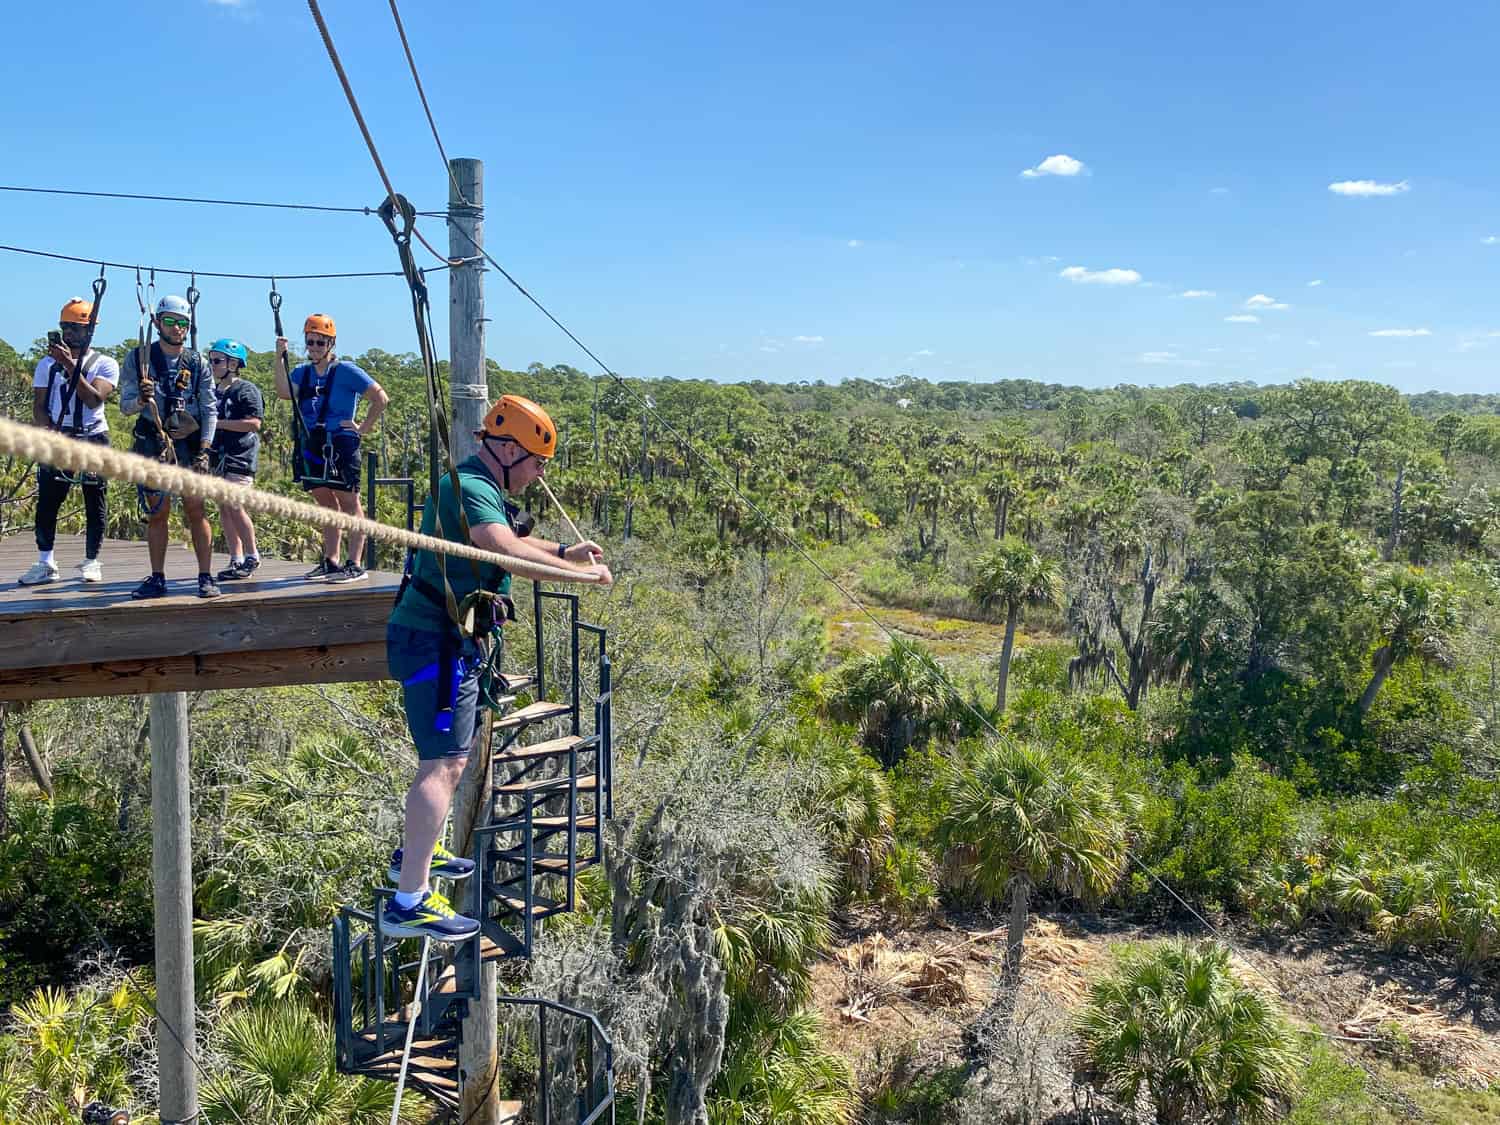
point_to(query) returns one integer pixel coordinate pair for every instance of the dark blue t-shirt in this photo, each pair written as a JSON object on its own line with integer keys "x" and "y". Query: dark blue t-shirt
{"x": 240, "y": 451}
{"x": 343, "y": 384}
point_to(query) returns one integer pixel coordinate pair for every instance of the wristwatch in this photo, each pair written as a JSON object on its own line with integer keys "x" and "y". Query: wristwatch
{"x": 562, "y": 550}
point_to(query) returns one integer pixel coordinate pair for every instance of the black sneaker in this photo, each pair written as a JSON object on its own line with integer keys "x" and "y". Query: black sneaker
{"x": 445, "y": 865}
{"x": 431, "y": 917}
{"x": 207, "y": 587}
{"x": 351, "y": 571}
{"x": 230, "y": 572}
{"x": 153, "y": 587}
{"x": 323, "y": 571}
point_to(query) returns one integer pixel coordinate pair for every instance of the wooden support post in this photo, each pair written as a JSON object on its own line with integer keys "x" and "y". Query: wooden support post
{"x": 469, "y": 385}
{"x": 172, "y": 879}
{"x": 478, "y": 1055}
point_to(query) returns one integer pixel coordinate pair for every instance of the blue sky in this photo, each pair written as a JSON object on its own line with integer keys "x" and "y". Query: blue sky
{"x": 801, "y": 191}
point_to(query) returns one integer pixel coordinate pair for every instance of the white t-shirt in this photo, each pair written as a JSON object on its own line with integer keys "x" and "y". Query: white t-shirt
{"x": 92, "y": 421}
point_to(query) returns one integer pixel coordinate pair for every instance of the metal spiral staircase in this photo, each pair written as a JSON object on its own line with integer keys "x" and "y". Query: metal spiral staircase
{"x": 550, "y": 798}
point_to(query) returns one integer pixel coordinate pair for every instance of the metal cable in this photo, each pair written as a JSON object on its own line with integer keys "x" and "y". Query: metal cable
{"x": 195, "y": 199}
{"x": 785, "y": 535}
{"x": 448, "y": 264}
{"x": 359, "y": 119}
{"x": 422, "y": 94}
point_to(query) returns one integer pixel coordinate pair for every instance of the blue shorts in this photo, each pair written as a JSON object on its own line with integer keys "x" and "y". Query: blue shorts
{"x": 413, "y": 656}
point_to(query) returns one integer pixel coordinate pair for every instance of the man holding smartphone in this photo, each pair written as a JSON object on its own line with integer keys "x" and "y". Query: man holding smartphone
{"x": 171, "y": 389}
{"x": 74, "y": 407}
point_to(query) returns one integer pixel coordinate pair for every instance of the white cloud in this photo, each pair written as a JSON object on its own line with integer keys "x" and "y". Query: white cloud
{"x": 1261, "y": 301}
{"x": 1368, "y": 187}
{"x": 1059, "y": 165}
{"x": 807, "y": 339}
{"x": 1242, "y": 318}
{"x": 855, "y": 243}
{"x": 1218, "y": 191}
{"x": 1315, "y": 343}
{"x": 1402, "y": 333}
{"x": 1171, "y": 359}
{"x": 923, "y": 352}
{"x": 1190, "y": 293}
{"x": 1081, "y": 276}
{"x": 1313, "y": 284}
{"x": 1490, "y": 240}
{"x": 769, "y": 348}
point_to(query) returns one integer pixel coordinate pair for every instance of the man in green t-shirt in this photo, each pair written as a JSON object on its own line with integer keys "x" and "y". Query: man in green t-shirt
{"x": 438, "y": 668}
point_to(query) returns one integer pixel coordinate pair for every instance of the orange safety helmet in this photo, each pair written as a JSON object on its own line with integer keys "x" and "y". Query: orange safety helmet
{"x": 322, "y": 324}
{"x": 524, "y": 422}
{"x": 76, "y": 311}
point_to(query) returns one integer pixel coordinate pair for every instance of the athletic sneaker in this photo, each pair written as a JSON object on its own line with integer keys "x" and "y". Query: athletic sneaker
{"x": 242, "y": 569}
{"x": 323, "y": 571}
{"x": 90, "y": 570}
{"x": 153, "y": 587}
{"x": 445, "y": 865}
{"x": 40, "y": 572}
{"x": 351, "y": 571}
{"x": 207, "y": 587}
{"x": 431, "y": 917}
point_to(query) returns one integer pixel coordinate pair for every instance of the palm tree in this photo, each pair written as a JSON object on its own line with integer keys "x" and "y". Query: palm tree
{"x": 1418, "y": 616}
{"x": 279, "y": 1071}
{"x": 895, "y": 696}
{"x": 1189, "y": 628}
{"x": 1174, "y": 1022}
{"x": 777, "y": 1071}
{"x": 1020, "y": 817}
{"x": 1001, "y": 489}
{"x": 1009, "y": 577}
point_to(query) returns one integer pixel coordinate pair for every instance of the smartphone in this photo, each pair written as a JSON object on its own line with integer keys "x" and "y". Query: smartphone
{"x": 54, "y": 338}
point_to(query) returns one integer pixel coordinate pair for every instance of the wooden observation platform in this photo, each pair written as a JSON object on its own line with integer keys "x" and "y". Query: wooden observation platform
{"x": 70, "y": 638}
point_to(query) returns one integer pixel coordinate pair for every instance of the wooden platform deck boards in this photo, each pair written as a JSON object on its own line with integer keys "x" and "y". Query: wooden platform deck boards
{"x": 70, "y": 638}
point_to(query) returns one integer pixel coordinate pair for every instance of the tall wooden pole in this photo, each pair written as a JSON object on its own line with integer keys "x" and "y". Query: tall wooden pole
{"x": 469, "y": 388}
{"x": 468, "y": 384}
{"x": 172, "y": 879}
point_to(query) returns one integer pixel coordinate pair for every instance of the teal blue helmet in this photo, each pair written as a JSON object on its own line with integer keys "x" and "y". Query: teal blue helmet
{"x": 234, "y": 348}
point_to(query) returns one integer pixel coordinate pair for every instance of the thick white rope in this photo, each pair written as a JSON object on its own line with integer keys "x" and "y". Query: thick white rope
{"x": 50, "y": 448}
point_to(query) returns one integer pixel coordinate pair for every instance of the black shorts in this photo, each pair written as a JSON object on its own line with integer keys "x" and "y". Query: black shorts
{"x": 328, "y": 460}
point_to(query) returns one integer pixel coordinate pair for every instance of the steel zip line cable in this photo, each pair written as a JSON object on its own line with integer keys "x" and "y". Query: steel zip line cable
{"x": 427, "y": 109}
{"x": 724, "y": 479}
{"x": 449, "y": 263}
{"x": 648, "y": 408}
{"x": 190, "y": 199}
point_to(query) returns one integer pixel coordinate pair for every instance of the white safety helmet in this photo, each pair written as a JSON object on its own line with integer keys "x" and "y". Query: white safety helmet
{"x": 174, "y": 304}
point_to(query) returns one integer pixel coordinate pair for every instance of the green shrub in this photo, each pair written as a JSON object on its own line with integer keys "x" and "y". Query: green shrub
{"x": 1172, "y": 1022}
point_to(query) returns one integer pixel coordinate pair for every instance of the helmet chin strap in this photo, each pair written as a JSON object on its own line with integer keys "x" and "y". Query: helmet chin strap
{"x": 504, "y": 468}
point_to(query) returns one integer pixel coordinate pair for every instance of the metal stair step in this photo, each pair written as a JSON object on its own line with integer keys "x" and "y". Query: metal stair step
{"x": 539, "y": 906}
{"x": 552, "y": 748}
{"x": 555, "y": 823}
{"x": 515, "y": 682}
{"x": 532, "y": 713}
{"x": 585, "y": 782}
{"x": 546, "y": 864}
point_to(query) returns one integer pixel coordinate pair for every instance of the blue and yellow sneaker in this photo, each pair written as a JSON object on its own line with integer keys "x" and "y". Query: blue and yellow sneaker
{"x": 432, "y": 917}
{"x": 445, "y": 865}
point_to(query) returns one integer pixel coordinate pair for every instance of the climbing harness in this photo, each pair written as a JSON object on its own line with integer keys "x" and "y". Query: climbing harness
{"x": 319, "y": 455}
{"x": 83, "y": 366}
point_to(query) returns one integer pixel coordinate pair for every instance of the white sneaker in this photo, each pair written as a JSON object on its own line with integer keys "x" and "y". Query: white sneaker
{"x": 90, "y": 570}
{"x": 40, "y": 572}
